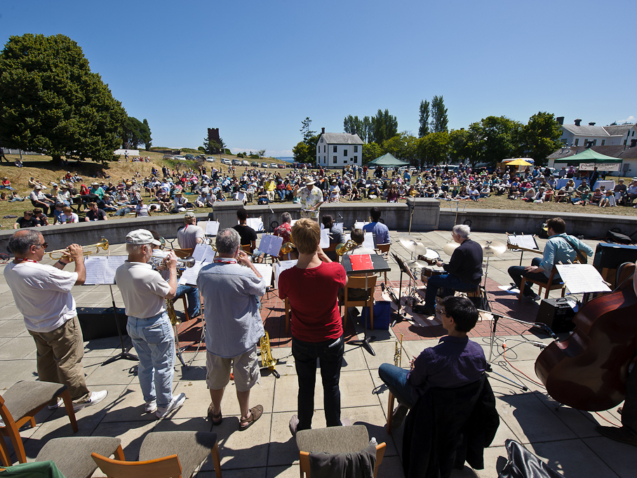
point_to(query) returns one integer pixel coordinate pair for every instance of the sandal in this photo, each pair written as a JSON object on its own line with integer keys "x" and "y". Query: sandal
{"x": 215, "y": 418}
{"x": 255, "y": 414}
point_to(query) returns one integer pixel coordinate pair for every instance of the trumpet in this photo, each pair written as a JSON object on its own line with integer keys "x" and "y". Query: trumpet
{"x": 103, "y": 244}
{"x": 158, "y": 259}
{"x": 341, "y": 249}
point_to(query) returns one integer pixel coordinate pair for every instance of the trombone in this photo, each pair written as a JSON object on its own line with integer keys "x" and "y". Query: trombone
{"x": 103, "y": 244}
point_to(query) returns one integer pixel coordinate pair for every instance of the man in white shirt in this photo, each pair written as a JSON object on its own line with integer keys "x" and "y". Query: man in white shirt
{"x": 42, "y": 293}
{"x": 190, "y": 235}
{"x": 144, "y": 293}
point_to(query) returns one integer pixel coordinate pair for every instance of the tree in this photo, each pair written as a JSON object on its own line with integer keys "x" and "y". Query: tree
{"x": 134, "y": 133}
{"x": 51, "y": 102}
{"x": 402, "y": 146}
{"x": 146, "y": 136}
{"x": 493, "y": 139}
{"x": 371, "y": 151}
{"x": 539, "y": 138}
{"x": 305, "y": 130}
{"x": 424, "y": 119}
{"x": 384, "y": 126}
{"x": 439, "y": 119}
{"x": 261, "y": 153}
{"x": 354, "y": 125}
{"x": 433, "y": 148}
{"x": 214, "y": 147}
{"x": 458, "y": 145}
{"x": 306, "y": 152}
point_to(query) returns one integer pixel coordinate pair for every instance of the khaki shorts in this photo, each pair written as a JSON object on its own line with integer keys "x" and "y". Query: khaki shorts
{"x": 246, "y": 370}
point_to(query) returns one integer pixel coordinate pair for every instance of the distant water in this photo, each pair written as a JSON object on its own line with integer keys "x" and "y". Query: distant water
{"x": 286, "y": 159}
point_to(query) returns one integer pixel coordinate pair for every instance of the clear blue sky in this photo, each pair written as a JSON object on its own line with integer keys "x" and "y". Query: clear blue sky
{"x": 256, "y": 69}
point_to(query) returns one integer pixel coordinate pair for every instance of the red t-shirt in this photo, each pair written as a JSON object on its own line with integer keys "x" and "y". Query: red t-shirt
{"x": 313, "y": 297}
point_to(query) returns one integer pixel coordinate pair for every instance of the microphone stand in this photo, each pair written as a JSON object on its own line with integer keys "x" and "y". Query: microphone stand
{"x": 497, "y": 317}
{"x": 365, "y": 341}
{"x": 124, "y": 354}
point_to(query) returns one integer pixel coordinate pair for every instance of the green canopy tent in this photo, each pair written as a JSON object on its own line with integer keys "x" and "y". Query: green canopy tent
{"x": 388, "y": 161}
{"x": 589, "y": 159}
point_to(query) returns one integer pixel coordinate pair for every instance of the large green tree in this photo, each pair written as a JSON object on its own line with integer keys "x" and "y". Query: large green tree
{"x": 305, "y": 152}
{"x": 439, "y": 118}
{"x": 402, "y": 146}
{"x": 371, "y": 151}
{"x": 135, "y": 132}
{"x": 493, "y": 139}
{"x": 459, "y": 150}
{"x": 433, "y": 148}
{"x": 539, "y": 138}
{"x": 51, "y": 102}
{"x": 384, "y": 126}
{"x": 423, "y": 119}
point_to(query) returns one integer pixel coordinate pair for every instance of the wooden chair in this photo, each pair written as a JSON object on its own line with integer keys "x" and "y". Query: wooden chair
{"x": 183, "y": 253}
{"x": 334, "y": 440}
{"x": 247, "y": 248}
{"x": 624, "y": 271}
{"x": 383, "y": 250}
{"x": 390, "y": 412}
{"x": 19, "y": 405}
{"x": 165, "y": 455}
{"x": 359, "y": 282}
{"x": 549, "y": 285}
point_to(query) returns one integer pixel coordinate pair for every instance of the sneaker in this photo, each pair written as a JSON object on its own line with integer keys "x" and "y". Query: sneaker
{"x": 151, "y": 407}
{"x": 398, "y": 417}
{"x": 294, "y": 424}
{"x": 56, "y": 405}
{"x": 174, "y": 404}
{"x": 93, "y": 399}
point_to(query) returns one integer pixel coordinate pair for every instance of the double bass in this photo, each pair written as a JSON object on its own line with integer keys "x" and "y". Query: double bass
{"x": 588, "y": 370}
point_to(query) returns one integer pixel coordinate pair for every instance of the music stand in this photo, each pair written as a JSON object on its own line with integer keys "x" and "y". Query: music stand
{"x": 124, "y": 354}
{"x": 397, "y": 316}
{"x": 379, "y": 264}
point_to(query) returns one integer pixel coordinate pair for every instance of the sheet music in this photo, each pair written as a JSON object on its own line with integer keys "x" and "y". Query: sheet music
{"x": 189, "y": 276}
{"x": 582, "y": 278}
{"x": 255, "y": 223}
{"x": 325, "y": 238}
{"x": 280, "y": 267}
{"x": 101, "y": 269}
{"x": 528, "y": 242}
{"x": 203, "y": 252}
{"x": 369, "y": 240}
{"x": 339, "y": 225}
{"x": 266, "y": 272}
{"x": 212, "y": 228}
{"x": 294, "y": 222}
{"x": 360, "y": 225}
{"x": 271, "y": 244}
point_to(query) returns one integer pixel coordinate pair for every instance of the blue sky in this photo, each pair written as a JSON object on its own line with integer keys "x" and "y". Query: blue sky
{"x": 256, "y": 69}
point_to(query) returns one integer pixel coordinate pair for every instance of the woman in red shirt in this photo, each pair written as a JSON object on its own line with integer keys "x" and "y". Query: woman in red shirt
{"x": 317, "y": 331}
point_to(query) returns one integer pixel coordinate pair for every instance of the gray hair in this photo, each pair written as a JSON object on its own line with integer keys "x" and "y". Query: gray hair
{"x": 21, "y": 242}
{"x": 135, "y": 248}
{"x": 462, "y": 230}
{"x": 228, "y": 241}
{"x": 286, "y": 217}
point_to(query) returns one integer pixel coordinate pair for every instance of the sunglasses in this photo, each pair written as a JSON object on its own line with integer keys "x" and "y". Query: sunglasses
{"x": 44, "y": 245}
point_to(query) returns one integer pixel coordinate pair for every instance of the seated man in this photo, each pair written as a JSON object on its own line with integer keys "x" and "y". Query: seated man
{"x": 464, "y": 270}
{"x": 454, "y": 362}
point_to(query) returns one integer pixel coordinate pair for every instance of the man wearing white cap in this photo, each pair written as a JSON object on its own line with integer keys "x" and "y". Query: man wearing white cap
{"x": 144, "y": 292}
{"x": 311, "y": 199}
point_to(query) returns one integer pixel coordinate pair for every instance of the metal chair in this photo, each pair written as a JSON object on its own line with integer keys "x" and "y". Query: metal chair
{"x": 549, "y": 285}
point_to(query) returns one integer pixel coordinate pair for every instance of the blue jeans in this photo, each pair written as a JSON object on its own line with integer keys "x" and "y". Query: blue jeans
{"x": 192, "y": 295}
{"x": 154, "y": 343}
{"x": 396, "y": 380}
{"x": 448, "y": 283}
{"x": 123, "y": 211}
{"x": 330, "y": 354}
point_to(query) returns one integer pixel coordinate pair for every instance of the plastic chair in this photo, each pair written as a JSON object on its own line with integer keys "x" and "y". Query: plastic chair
{"x": 549, "y": 286}
{"x": 19, "y": 405}
{"x": 360, "y": 282}
{"x": 334, "y": 440}
{"x": 165, "y": 455}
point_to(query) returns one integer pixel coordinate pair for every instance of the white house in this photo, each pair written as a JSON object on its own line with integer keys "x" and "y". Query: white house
{"x": 625, "y": 131}
{"x": 335, "y": 150}
{"x": 575, "y": 135}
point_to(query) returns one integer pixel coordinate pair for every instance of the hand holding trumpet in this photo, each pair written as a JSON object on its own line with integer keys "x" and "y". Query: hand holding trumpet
{"x": 74, "y": 253}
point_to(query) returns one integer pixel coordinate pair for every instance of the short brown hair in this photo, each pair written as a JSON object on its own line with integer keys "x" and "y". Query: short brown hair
{"x": 67, "y": 210}
{"x": 358, "y": 236}
{"x": 557, "y": 224}
{"x": 91, "y": 204}
{"x": 37, "y": 210}
{"x": 307, "y": 235}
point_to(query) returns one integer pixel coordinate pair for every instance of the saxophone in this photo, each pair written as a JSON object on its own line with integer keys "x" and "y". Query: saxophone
{"x": 170, "y": 310}
{"x": 398, "y": 358}
{"x": 266, "y": 355}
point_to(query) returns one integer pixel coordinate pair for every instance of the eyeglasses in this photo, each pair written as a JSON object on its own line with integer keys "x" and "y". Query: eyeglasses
{"x": 44, "y": 245}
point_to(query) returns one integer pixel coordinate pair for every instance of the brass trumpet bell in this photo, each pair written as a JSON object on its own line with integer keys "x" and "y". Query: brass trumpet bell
{"x": 103, "y": 244}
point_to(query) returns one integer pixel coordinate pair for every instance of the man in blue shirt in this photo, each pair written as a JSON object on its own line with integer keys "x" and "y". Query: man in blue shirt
{"x": 560, "y": 248}
{"x": 454, "y": 362}
{"x": 381, "y": 232}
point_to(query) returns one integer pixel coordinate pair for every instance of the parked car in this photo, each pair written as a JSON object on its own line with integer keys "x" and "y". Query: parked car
{"x": 254, "y": 164}
{"x": 280, "y": 166}
{"x": 168, "y": 156}
{"x": 245, "y": 163}
{"x": 210, "y": 159}
{"x": 225, "y": 161}
{"x": 264, "y": 165}
{"x": 236, "y": 162}
{"x": 274, "y": 165}
{"x": 180, "y": 158}
{"x": 190, "y": 157}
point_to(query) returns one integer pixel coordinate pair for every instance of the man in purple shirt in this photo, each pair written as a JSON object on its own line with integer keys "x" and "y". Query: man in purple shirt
{"x": 454, "y": 362}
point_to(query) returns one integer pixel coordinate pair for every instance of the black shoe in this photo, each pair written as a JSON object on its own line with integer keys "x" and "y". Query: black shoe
{"x": 398, "y": 416}
{"x": 622, "y": 435}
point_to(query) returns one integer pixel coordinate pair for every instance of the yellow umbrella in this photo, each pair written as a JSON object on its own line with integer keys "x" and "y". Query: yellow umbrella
{"x": 518, "y": 162}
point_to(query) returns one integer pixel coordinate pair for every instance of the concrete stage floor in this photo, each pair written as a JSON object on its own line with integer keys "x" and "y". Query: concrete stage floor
{"x": 564, "y": 438}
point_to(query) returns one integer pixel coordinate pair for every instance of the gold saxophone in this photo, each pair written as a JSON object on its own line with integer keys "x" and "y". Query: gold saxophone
{"x": 170, "y": 310}
{"x": 398, "y": 357}
{"x": 266, "y": 355}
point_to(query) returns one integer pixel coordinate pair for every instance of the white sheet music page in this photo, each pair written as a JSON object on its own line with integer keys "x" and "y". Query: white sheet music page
{"x": 189, "y": 276}
{"x": 280, "y": 267}
{"x": 271, "y": 244}
{"x": 255, "y": 223}
{"x": 208, "y": 255}
{"x": 325, "y": 238}
{"x": 112, "y": 263}
{"x": 212, "y": 228}
{"x": 582, "y": 278}
{"x": 266, "y": 272}
{"x": 369, "y": 240}
{"x": 360, "y": 225}
{"x": 528, "y": 242}
{"x": 200, "y": 250}
{"x": 101, "y": 269}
